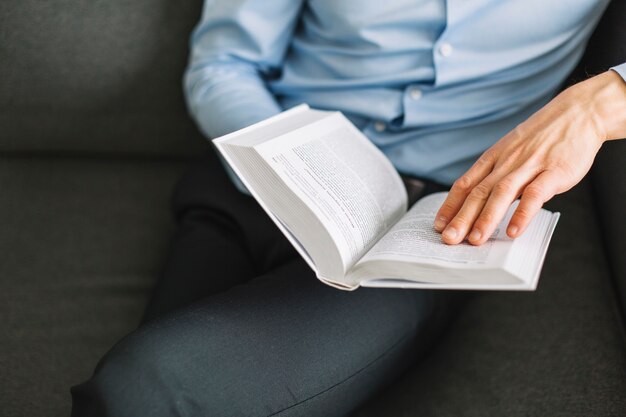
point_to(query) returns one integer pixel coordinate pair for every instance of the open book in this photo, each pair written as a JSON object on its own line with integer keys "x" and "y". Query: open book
{"x": 343, "y": 206}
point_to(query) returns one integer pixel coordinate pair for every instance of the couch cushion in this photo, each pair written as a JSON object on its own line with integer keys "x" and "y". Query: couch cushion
{"x": 607, "y": 48}
{"x": 81, "y": 244}
{"x": 100, "y": 76}
{"x": 559, "y": 351}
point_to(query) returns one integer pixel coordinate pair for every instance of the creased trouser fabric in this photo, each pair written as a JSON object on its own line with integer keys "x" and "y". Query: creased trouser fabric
{"x": 238, "y": 325}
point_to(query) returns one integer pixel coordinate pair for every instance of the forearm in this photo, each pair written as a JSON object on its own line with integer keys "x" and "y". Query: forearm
{"x": 223, "y": 97}
{"x": 611, "y": 106}
{"x": 545, "y": 155}
{"x": 235, "y": 45}
{"x": 604, "y": 98}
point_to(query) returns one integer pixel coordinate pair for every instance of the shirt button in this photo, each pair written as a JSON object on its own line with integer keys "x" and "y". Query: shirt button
{"x": 380, "y": 126}
{"x": 415, "y": 93}
{"x": 445, "y": 49}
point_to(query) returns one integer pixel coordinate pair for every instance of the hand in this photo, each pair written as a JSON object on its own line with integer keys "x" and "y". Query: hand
{"x": 546, "y": 155}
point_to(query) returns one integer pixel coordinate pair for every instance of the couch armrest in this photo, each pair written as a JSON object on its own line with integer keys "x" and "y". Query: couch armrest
{"x": 609, "y": 183}
{"x": 607, "y": 48}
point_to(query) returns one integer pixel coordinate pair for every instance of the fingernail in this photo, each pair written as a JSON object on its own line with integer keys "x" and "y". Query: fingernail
{"x": 450, "y": 233}
{"x": 475, "y": 235}
{"x": 513, "y": 230}
{"x": 440, "y": 223}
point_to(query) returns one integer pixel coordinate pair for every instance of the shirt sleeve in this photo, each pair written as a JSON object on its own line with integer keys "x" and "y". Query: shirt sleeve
{"x": 621, "y": 70}
{"x": 234, "y": 47}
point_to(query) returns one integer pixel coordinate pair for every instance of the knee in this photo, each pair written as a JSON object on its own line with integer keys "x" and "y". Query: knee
{"x": 141, "y": 375}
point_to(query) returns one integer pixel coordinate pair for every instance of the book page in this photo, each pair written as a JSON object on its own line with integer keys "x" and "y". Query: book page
{"x": 346, "y": 181}
{"x": 414, "y": 239}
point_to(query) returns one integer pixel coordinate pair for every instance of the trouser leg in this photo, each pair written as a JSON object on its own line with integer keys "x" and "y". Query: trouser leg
{"x": 280, "y": 344}
{"x": 222, "y": 239}
{"x": 277, "y": 342}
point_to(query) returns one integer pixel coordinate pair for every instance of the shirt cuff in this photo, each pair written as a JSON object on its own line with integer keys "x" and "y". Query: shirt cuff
{"x": 621, "y": 70}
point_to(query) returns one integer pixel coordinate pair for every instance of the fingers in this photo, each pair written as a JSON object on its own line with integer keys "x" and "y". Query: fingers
{"x": 542, "y": 189}
{"x": 487, "y": 204}
{"x": 461, "y": 190}
{"x": 502, "y": 196}
{"x": 460, "y": 225}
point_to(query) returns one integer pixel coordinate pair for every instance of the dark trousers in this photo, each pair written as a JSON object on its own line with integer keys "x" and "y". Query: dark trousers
{"x": 238, "y": 324}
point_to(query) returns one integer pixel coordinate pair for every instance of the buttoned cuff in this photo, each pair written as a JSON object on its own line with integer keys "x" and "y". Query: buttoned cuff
{"x": 621, "y": 70}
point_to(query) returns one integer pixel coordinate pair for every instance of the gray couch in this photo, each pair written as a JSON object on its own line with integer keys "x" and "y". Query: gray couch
{"x": 93, "y": 135}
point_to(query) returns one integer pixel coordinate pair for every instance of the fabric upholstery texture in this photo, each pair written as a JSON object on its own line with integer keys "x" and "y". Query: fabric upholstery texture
{"x": 83, "y": 246}
{"x": 608, "y": 48}
{"x": 81, "y": 241}
{"x": 610, "y": 198}
{"x": 559, "y": 351}
{"x": 96, "y": 76}
{"x": 91, "y": 110}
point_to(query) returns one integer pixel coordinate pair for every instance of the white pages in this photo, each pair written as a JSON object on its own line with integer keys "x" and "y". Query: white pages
{"x": 343, "y": 206}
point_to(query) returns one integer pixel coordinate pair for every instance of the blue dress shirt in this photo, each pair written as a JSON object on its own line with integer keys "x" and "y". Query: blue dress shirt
{"x": 433, "y": 83}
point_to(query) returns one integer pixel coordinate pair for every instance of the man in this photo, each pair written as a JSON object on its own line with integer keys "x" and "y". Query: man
{"x": 454, "y": 92}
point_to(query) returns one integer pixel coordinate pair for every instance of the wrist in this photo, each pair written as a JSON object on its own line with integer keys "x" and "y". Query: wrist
{"x": 606, "y": 94}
